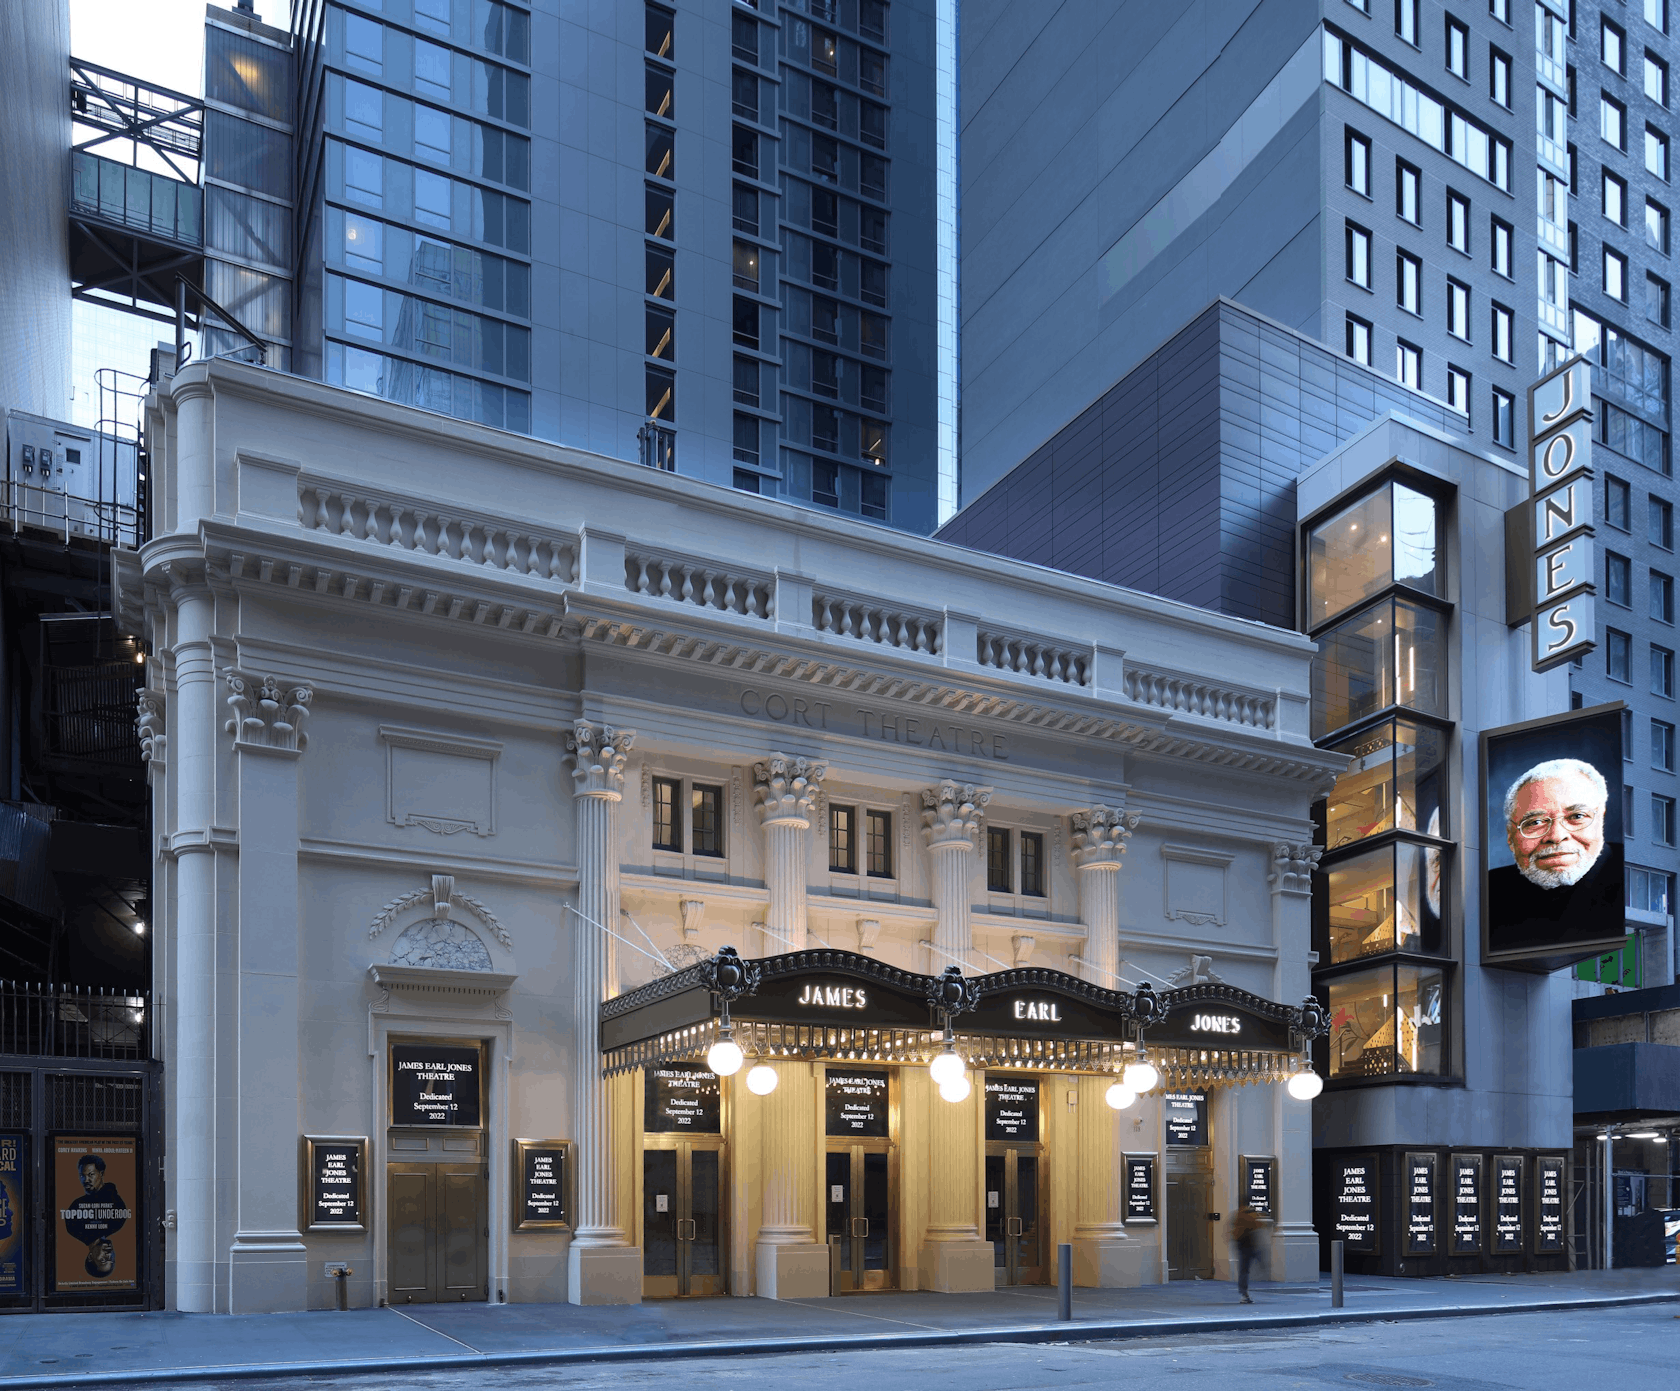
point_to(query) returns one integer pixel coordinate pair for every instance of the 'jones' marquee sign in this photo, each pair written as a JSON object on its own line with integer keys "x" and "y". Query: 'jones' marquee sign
{"x": 1560, "y": 485}
{"x": 1217, "y": 1016}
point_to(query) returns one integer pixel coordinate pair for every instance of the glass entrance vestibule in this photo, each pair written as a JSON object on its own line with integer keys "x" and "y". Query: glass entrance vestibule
{"x": 825, "y": 1123}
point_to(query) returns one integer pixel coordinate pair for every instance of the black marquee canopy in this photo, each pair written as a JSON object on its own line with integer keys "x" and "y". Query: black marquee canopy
{"x": 829, "y": 1004}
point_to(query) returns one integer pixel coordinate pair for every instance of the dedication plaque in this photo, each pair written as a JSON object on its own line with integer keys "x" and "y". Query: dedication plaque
{"x": 1548, "y": 1205}
{"x": 1355, "y": 1199}
{"x": 1420, "y": 1203}
{"x": 1257, "y": 1182}
{"x": 855, "y": 1102}
{"x": 1507, "y": 1204}
{"x": 1467, "y": 1205}
{"x": 1186, "y": 1118}
{"x": 333, "y": 1168}
{"x": 541, "y": 1192}
{"x": 1011, "y": 1108}
{"x": 434, "y": 1084}
{"x": 681, "y": 1097}
{"x": 1140, "y": 1188}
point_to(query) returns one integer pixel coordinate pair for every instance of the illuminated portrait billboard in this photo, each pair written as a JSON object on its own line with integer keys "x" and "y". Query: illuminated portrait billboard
{"x": 1552, "y": 840}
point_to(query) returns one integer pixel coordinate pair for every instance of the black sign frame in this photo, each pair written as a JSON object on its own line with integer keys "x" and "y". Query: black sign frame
{"x": 437, "y": 1046}
{"x": 995, "y": 1122}
{"x": 1147, "y": 1163}
{"x": 1371, "y": 1210}
{"x": 1424, "y": 1241}
{"x": 1468, "y": 1164}
{"x": 1248, "y": 1165}
{"x": 833, "y": 1108}
{"x": 1502, "y": 1245}
{"x": 1550, "y": 1164}
{"x": 528, "y": 1154}
{"x": 709, "y": 1097}
{"x": 1200, "y": 1129}
{"x": 317, "y": 1152}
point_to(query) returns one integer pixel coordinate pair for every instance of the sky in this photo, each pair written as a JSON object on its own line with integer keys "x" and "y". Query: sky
{"x": 156, "y": 41}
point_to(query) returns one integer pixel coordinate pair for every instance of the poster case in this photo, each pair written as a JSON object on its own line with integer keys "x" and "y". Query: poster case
{"x": 542, "y": 1185}
{"x": 95, "y": 1218}
{"x": 335, "y": 1183}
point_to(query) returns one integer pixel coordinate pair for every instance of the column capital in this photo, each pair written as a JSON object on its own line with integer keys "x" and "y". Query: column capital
{"x": 952, "y": 814}
{"x": 268, "y": 713}
{"x": 1100, "y": 835}
{"x": 598, "y": 753}
{"x": 786, "y": 788}
{"x": 1293, "y": 866}
{"x": 149, "y": 724}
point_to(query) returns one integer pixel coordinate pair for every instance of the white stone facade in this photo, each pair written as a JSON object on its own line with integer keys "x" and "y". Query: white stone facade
{"x": 413, "y": 685}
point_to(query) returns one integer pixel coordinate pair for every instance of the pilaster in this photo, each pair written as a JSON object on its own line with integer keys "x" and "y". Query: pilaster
{"x": 791, "y": 1265}
{"x": 1295, "y": 1249}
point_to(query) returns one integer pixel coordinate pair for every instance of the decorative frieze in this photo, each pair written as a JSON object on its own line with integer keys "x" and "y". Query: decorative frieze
{"x": 267, "y": 712}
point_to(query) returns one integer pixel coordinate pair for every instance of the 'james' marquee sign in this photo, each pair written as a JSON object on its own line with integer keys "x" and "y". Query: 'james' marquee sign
{"x": 1561, "y": 495}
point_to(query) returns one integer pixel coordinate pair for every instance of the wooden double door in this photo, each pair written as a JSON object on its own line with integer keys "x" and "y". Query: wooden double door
{"x": 438, "y": 1232}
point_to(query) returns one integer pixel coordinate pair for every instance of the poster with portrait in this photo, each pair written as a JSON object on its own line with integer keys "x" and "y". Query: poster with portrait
{"x": 14, "y": 1214}
{"x": 1552, "y": 831}
{"x": 95, "y": 1213}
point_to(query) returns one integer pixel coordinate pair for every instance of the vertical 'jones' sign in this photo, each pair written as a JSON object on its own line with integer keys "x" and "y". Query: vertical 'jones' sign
{"x": 1560, "y": 477}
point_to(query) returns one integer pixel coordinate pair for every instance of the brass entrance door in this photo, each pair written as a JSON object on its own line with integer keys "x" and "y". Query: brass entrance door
{"x": 682, "y": 1218}
{"x": 860, "y": 1215}
{"x": 1013, "y": 1176}
{"x": 438, "y": 1227}
{"x": 1189, "y": 1226}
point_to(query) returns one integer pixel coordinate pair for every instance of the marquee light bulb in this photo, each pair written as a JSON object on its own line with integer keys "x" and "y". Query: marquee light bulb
{"x": 1141, "y": 1076}
{"x": 1119, "y": 1096}
{"x": 1304, "y": 1086}
{"x": 946, "y": 1067}
{"x": 957, "y": 1089}
{"x": 725, "y": 1057}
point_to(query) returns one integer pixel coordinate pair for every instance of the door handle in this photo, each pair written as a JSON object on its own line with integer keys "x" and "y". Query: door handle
{"x": 1012, "y": 1226}
{"x": 686, "y": 1229}
{"x": 860, "y": 1226}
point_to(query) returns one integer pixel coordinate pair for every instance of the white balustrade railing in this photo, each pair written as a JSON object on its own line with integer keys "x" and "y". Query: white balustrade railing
{"x": 1186, "y": 694}
{"x": 869, "y": 621}
{"x": 707, "y": 586}
{"x": 1005, "y": 652}
{"x": 473, "y": 541}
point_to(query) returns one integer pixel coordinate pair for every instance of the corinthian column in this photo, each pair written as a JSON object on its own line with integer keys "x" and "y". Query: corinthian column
{"x": 951, "y": 820}
{"x": 1099, "y": 846}
{"x": 602, "y": 1267}
{"x": 785, "y": 789}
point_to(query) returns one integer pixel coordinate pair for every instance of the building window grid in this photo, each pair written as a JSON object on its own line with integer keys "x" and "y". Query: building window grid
{"x": 842, "y": 839}
{"x": 878, "y": 844}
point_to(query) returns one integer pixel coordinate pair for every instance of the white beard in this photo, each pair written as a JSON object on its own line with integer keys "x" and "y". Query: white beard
{"x": 1560, "y": 878}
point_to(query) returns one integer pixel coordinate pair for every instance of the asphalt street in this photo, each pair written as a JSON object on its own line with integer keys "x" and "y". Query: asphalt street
{"x": 1618, "y": 1349}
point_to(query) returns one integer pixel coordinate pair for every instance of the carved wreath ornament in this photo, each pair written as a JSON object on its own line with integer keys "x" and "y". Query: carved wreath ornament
{"x": 442, "y": 895}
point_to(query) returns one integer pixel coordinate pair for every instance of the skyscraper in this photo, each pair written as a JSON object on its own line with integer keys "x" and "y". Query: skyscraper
{"x": 701, "y": 234}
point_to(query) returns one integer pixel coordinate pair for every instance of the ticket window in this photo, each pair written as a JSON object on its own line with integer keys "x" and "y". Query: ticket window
{"x": 683, "y": 1184}
{"x": 1189, "y": 1174}
{"x": 860, "y": 1175}
{"x": 1014, "y": 1180}
{"x": 437, "y": 1176}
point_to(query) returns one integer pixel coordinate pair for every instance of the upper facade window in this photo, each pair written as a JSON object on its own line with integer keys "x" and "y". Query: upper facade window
{"x": 1388, "y": 537}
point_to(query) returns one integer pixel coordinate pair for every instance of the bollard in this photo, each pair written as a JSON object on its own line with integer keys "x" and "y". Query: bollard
{"x": 1064, "y": 1282}
{"x": 1335, "y": 1275}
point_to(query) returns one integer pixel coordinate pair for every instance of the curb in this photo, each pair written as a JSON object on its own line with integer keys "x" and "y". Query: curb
{"x": 1102, "y": 1330}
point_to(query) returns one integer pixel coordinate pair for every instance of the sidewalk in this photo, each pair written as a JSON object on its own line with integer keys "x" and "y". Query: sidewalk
{"x": 41, "y": 1350}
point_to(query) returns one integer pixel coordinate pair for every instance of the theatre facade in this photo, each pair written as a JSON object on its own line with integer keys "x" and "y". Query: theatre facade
{"x": 574, "y": 882}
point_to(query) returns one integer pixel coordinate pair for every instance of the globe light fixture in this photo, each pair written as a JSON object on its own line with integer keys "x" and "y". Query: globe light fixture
{"x": 1140, "y": 1075}
{"x": 725, "y": 1056}
{"x": 761, "y": 1080}
{"x": 1119, "y": 1096}
{"x": 1305, "y": 1085}
{"x": 957, "y": 1089}
{"x": 947, "y": 1067}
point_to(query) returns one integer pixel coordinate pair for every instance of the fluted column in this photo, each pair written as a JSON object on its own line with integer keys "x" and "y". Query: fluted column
{"x": 790, "y": 1263}
{"x": 785, "y": 789}
{"x": 1294, "y": 1239}
{"x": 193, "y": 1127}
{"x": 952, "y": 815}
{"x": 1099, "y": 847}
{"x": 598, "y": 1270}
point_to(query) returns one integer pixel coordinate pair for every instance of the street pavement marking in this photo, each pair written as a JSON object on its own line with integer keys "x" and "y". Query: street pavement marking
{"x": 410, "y": 1317}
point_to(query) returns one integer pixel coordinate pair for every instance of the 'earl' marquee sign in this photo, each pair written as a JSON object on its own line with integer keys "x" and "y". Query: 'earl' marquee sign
{"x": 1561, "y": 485}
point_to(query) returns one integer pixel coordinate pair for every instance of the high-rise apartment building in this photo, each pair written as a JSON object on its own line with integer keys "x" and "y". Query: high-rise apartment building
{"x": 704, "y": 235}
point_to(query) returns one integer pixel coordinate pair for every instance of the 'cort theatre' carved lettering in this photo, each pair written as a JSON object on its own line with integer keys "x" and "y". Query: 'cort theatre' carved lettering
{"x": 1045, "y": 1010}
{"x": 916, "y": 730}
{"x": 1216, "y": 1024}
{"x": 834, "y": 997}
